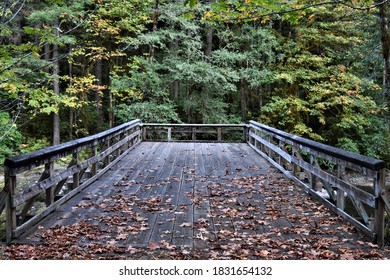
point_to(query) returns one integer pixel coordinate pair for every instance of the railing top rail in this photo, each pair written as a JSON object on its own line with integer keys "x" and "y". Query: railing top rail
{"x": 364, "y": 161}
{"x": 192, "y": 125}
{"x": 39, "y": 156}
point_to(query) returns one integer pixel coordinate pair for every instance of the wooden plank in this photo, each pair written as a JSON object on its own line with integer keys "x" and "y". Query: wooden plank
{"x": 132, "y": 184}
{"x": 366, "y": 230}
{"x": 149, "y": 195}
{"x": 30, "y": 160}
{"x": 360, "y": 209}
{"x": 118, "y": 179}
{"x": 3, "y": 199}
{"x": 36, "y": 189}
{"x": 162, "y": 230}
{"x": 184, "y": 217}
{"x": 50, "y": 195}
{"x": 357, "y": 159}
{"x": 30, "y": 202}
{"x": 277, "y": 165}
{"x": 218, "y": 190}
{"x": 328, "y": 204}
{"x": 350, "y": 165}
{"x": 181, "y": 207}
{"x": 10, "y": 210}
{"x": 271, "y": 146}
{"x": 251, "y": 162}
{"x": 24, "y": 227}
{"x": 386, "y": 199}
{"x": 203, "y": 223}
{"x": 192, "y": 130}
{"x": 351, "y": 190}
{"x": 289, "y": 139}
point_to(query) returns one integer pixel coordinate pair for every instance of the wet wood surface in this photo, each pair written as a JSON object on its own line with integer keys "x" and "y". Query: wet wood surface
{"x": 193, "y": 195}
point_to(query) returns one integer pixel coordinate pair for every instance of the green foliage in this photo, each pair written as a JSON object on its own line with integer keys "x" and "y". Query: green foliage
{"x": 148, "y": 112}
{"x": 34, "y": 144}
{"x": 382, "y": 144}
{"x": 306, "y": 67}
{"x": 291, "y": 114}
{"x": 320, "y": 95}
{"x": 10, "y": 136}
{"x": 348, "y": 144}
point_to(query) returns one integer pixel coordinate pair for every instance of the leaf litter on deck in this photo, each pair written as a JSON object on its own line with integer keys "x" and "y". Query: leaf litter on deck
{"x": 256, "y": 217}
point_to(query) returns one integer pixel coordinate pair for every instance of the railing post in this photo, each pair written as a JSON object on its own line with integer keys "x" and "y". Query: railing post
{"x": 10, "y": 209}
{"x": 245, "y": 134}
{"x": 193, "y": 134}
{"x": 94, "y": 166}
{"x": 340, "y": 193}
{"x": 76, "y": 176}
{"x": 139, "y": 137}
{"x": 144, "y": 133}
{"x": 280, "y": 158}
{"x": 169, "y": 134}
{"x": 313, "y": 178}
{"x": 294, "y": 166}
{"x": 107, "y": 160}
{"x": 219, "y": 134}
{"x": 379, "y": 219}
{"x": 49, "y": 199}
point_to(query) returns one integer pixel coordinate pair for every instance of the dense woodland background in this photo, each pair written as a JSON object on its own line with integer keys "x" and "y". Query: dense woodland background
{"x": 319, "y": 69}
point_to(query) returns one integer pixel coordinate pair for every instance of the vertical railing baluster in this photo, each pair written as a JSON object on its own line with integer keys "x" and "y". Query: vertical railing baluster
{"x": 94, "y": 167}
{"x": 219, "y": 134}
{"x": 10, "y": 209}
{"x": 245, "y": 134}
{"x": 295, "y": 166}
{"x": 76, "y": 176}
{"x": 169, "y": 134}
{"x": 193, "y": 134}
{"x": 379, "y": 219}
{"x": 340, "y": 193}
{"x": 313, "y": 178}
{"x": 49, "y": 198}
{"x": 107, "y": 145}
{"x": 144, "y": 133}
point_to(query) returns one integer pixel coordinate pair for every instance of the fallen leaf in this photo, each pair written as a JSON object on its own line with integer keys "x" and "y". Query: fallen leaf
{"x": 153, "y": 246}
{"x": 186, "y": 225}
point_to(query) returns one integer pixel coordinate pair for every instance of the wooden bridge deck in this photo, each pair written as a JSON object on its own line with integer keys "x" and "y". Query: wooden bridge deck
{"x": 197, "y": 195}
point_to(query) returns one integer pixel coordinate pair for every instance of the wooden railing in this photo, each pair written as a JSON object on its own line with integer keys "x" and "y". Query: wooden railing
{"x": 320, "y": 169}
{"x": 85, "y": 160}
{"x": 329, "y": 174}
{"x": 195, "y": 132}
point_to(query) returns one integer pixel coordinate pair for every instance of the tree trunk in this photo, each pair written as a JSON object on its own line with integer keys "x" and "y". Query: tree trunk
{"x": 98, "y": 97}
{"x": 56, "y": 89}
{"x": 174, "y": 46}
{"x": 111, "y": 110}
{"x": 71, "y": 109}
{"x": 155, "y": 25}
{"x": 176, "y": 90}
{"x": 385, "y": 38}
{"x": 260, "y": 103}
{"x": 209, "y": 40}
{"x": 244, "y": 100}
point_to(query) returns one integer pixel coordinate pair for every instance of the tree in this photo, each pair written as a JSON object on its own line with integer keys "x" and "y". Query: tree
{"x": 325, "y": 95}
{"x": 106, "y": 44}
{"x": 383, "y": 7}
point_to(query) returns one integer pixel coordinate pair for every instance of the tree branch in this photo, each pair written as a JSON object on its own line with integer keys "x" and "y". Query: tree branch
{"x": 14, "y": 15}
{"x": 273, "y": 13}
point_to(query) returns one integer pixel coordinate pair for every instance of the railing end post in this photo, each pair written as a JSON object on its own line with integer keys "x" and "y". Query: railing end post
{"x": 10, "y": 209}
{"x": 379, "y": 219}
{"x": 245, "y": 134}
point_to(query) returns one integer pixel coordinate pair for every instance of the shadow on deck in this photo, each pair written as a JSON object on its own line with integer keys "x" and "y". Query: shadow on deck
{"x": 196, "y": 200}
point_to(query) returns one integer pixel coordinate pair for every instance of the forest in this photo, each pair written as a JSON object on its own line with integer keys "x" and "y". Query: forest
{"x": 317, "y": 69}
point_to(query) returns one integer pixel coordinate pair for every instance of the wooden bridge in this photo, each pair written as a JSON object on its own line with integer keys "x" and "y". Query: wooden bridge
{"x": 146, "y": 184}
